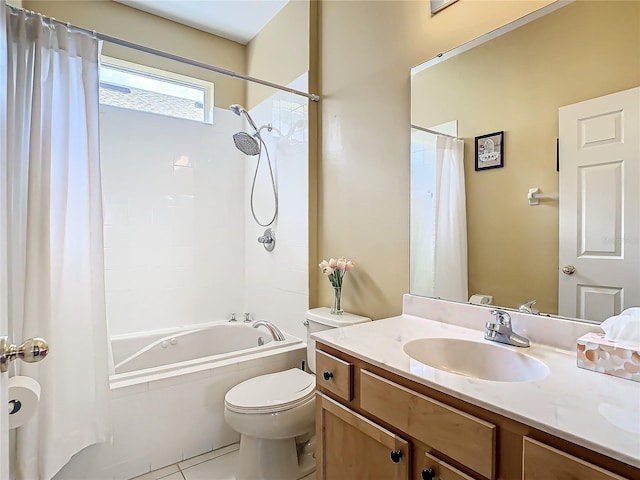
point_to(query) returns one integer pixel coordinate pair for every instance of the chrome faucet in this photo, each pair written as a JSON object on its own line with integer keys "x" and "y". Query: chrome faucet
{"x": 273, "y": 330}
{"x": 500, "y": 330}
{"x": 268, "y": 240}
{"x": 528, "y": 308}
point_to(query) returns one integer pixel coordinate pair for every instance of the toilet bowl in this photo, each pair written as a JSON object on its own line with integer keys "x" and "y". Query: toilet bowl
{"x": 271, "y": 412}
{"x": 275, "y": 413}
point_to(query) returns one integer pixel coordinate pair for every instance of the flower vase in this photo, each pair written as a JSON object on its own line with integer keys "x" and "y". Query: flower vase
{"x": 336, "y": 309}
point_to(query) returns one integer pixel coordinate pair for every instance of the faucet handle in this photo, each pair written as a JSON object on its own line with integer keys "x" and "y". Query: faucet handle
{"x": 492, "y": 326}
{"x": 528, "y": 307}
{"x": 502, "y": 317}
{"x": 247, "y": 317}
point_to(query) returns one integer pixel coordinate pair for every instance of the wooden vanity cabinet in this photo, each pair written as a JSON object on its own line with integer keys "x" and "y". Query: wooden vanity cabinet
{"x": 373, "y": 424}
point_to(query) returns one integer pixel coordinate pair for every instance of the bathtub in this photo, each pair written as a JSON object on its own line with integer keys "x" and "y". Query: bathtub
{"x": 167, "y": 394}
{"x": 172, "y": 351}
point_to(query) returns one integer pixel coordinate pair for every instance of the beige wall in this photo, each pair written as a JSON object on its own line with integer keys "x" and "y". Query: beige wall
{"x": 280, "y": 52}
{"x": 366, "y": 52}
{"x": 121, "y": 21}
{"x": 519, "y": 80}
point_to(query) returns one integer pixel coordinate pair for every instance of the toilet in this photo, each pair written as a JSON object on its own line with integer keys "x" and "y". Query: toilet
{"x": 275, "y": 413}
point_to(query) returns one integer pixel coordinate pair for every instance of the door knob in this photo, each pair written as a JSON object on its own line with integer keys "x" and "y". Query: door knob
{"x": 31, "y": 351}
{"x": 568, "y": 269}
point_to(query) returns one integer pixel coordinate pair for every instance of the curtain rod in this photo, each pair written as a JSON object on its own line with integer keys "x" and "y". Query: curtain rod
{"x": 434, "y": 132}
{"x": 194, "y": 63}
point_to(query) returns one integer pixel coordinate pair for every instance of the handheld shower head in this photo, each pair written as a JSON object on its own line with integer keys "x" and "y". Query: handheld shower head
{"x": 252, "y": 145}
{"x": 246, "y": 143}
{"x": 239, "y": 110}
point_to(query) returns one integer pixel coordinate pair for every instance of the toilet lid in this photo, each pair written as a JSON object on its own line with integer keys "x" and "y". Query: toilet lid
{"x": 274, "y": 392}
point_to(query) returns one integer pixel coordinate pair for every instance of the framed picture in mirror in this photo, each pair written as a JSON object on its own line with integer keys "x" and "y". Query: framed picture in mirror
{"x": 490, "y": 151}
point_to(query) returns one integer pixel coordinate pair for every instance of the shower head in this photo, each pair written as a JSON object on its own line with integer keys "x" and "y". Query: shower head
{"x": 246, "y": 143}
{"x": 239, "y": 110}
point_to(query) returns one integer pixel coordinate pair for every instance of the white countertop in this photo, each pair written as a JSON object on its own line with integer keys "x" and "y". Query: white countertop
{"x": 597, "y": 411}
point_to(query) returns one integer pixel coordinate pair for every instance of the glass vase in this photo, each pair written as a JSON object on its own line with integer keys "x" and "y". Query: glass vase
{"x": 336, "y": 309}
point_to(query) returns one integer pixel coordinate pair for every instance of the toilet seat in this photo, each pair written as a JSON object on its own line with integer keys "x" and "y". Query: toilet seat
{"x": 275, "y": 392}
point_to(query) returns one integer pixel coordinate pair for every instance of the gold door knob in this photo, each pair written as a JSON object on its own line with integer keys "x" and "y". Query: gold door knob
{"x": 31, "y": 351}
{"x": 568, "y": 269}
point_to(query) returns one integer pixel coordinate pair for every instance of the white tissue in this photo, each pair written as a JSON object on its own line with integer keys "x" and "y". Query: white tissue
{"x": 622, "y": 329}
{"x": 633, "y": 311}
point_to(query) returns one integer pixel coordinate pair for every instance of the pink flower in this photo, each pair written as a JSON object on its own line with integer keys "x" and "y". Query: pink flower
{"x": 335, "y": 270}
{"x": 327, "y": 270}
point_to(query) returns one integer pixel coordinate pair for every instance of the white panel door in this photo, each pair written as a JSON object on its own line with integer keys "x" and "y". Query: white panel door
{"x": 599, "y": 270}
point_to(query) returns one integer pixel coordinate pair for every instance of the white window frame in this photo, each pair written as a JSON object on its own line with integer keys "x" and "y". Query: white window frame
{"x": 165, "y": 75}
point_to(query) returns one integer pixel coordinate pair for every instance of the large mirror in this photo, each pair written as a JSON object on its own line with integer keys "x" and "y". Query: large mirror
{"x": 515, "y": 83}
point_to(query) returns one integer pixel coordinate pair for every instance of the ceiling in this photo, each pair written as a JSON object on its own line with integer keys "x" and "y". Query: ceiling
{"x": 237, "y": 20}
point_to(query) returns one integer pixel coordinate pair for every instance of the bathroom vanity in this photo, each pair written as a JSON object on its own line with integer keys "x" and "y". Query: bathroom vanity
{"x": 381, "y": 414}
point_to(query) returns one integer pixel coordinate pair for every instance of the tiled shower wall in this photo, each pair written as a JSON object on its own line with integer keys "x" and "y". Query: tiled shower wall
{"x": 276, "y": 283}
{"x": 180, "y": 242}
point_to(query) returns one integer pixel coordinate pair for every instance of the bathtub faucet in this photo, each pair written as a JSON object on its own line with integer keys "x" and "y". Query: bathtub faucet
{"x": 275, "y": 331}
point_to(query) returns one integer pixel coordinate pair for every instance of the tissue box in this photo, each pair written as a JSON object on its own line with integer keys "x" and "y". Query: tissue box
{"x": 600, "y": 355}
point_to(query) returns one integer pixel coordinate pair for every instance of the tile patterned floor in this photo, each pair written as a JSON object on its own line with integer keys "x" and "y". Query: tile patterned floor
{"x": 217, "y": 465}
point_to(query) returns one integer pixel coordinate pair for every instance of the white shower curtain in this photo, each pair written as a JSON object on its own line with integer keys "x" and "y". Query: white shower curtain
{"x": 450, "y": 259}
{"x": 54, "y": 215}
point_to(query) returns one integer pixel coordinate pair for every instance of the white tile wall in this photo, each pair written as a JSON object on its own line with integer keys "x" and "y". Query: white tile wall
{"x": 174, "y": 219}
{"x": 276, "y": 283}
{"x": 180, "y": 241}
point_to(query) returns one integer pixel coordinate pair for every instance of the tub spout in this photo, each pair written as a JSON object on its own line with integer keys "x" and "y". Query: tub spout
{"x": 273, "y": 330}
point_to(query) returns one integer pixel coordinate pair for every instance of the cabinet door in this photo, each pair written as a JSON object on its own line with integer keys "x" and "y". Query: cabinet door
{"x": 542, "y": 462}
{"x": 353, "y": 447}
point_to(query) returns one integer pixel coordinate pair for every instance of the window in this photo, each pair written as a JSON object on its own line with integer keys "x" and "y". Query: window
{"x": 137, "y": 87}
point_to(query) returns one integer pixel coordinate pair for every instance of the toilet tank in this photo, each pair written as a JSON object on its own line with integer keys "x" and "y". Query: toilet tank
{"x": 319, "y": 319}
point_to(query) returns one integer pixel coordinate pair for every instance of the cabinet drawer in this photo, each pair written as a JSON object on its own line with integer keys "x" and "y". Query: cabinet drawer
{"x": 458, "y": 435}
{"x": 334, "y": 375}
{"x": 442, "y": 470}
{"x": 542, "y": 462}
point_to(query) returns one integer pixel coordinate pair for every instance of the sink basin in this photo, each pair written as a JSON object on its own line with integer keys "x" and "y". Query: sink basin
{"x": 476, "y": 360}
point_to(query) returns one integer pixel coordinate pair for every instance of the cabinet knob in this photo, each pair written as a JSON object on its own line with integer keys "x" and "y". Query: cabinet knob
{"x": 327, "y": 375}
{"x": 428, "y": 474}
{"x": 396, "y": 456}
